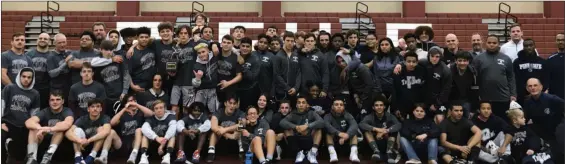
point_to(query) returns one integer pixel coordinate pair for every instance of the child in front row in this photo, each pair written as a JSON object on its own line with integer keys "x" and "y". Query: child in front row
{"x": 525, "y": 144}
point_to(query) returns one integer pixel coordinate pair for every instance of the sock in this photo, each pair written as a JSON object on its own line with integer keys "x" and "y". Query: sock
{"x": 104, "y": 153}
{"x": 261, "y": 160}
{"x": 353, "y": 148}
{"x": 134, "y": 152}
{"x": 314, "y": 150}
{"x": 170, "y": 150}
{"x": 240, "y": 145}
{"x": 211, "y": 149}
{"x": 389, "y": 144}
{"x": 32, "y": 148}
{"x": 52, "y": 148}
{"x": 373, "y": 145}
{"x": 93, "y": 153}
{"x": 331, "y": 148}
{"x": 143, "y": 150}
{"x": 78, "y": 154}
{"x": 270, "y": 156}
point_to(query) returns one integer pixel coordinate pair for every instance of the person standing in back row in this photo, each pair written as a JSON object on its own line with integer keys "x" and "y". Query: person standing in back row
{"x": 495, "y": 78}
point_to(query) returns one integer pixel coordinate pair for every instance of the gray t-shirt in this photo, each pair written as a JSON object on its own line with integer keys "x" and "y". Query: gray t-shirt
{"x": 85, "y": 56}
{"x": 18, "y": 104}
{"x": 39, "y": 64}
{"x": 48, "y": 118}
{"x": 14, "y": 63}
{"x": 80, "y": 95}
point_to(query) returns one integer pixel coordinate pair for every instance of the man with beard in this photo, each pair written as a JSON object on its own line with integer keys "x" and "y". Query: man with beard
{"x": 99, "y": 29}
{"x": 142, "y": 62}
{"x": 495, "y": 78}
{"x": 183, "y": 83}
{"x": 238, "y": 34}
{"x": 288, "y": 78}
{"x": 84, "y": 91}
{"x": 88, "y": 54}
{"x": 341, "y": 127}
{"x": 452, "y": 48}
{"x": 57, "y": 66}
{"x": 323, "y": 44}
{"x": 555, "y": 68}
{"x": 528, "y": 65}
{"x": 313, "y": 65}
{"x": 512, "y": 47}
{"x": 14, "y": 59}
{"x": 19, "y": 102}
{"x": 438, "y": 82}
{"x": 267, "y": 62}
{"x": 229, "y": 69}
{"x": 50, "y": 125}
{"x": 305, "y": 127}
{"x": 115, "y": 78}
{"x": 39, "y": 64}
{"x": 251, "y": 69}
{"x": 477, "y": 42}
{"x": 128, "y": 36}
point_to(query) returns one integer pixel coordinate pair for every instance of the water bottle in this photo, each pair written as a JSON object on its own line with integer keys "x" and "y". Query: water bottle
{"x": 249, "y": 157}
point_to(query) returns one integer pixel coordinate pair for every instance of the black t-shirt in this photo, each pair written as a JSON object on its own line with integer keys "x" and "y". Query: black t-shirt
{"x": 225, "y": 120}
{"x": 128, "y": 123}
{"x": 491, "y": 128}
{"x": 459, "y": 132}
{"x": 48, "y": 118}
{"x": 142, "y": 67}
{"x": 193, "y": 123}
{"x": 160, "y": 126}
{"x": 90, "y": 127}
{"x": 228, "y": 67}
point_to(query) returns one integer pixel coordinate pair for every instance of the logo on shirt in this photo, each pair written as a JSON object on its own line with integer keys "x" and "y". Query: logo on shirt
{"x": 487, "y": 134}
{"x": 160, "y": 129}
{"x": 295, "y": 59}
{"x": 224, "y": 68}
{"x": 129, "y": 128}
{"x": 83, "y": 99}
{"x": 314, "y": 58}
{"x": 39, "y": 64}
{"x": 437, "y": 76}
{"x": 265, "y": 59}
{"x": 17, "y": 65}
{"x": 547, "y": 111}
{"x": 20, "y": 103}
{"x": 530, "y": 66}
{"x": 541, "y": 157}
{"x": 411, "y": 80}
{"x": 500, "y": 62}
{"x": 110, "y": 73}
{"x": 147, "y": 61}
{"x": 260, "y": 131}
{"x": 343, "y": 124}
{"x": 166, "y": 55}
{"x": 519, "y": 138}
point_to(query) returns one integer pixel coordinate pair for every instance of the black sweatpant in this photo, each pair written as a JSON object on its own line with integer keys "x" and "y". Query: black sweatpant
{"x": 18, "y": 136}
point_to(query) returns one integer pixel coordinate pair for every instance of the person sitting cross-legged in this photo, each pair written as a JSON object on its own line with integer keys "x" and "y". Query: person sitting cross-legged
{"x": 159, "y": 130}
{"x": 193, "y": 127}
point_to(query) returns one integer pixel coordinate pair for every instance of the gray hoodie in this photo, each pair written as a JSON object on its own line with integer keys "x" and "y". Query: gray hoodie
{"x": 344, "y": 122}
{"x": 308, "y": 117}
{"x": 388, "y": 121}
{"x": 18, "y": 102}
{"x": 495, "y": 76}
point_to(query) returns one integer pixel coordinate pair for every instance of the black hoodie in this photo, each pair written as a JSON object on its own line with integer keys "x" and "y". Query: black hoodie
{"x": 314, "y": 69}
{"x": 438, "y": 83}
{"x": 250, "y": 72}
{"x": 360, "y": 79}
{"x": 266, "y": 74}
{"x": 307, "y": 117}
{"x": 409, "y": 88}
{"x": 288, "y": 74}
{"x": 464, "y": 87}
{"x": 414, "y": 127}
{"x": 528, "y": 66}
{"x": 19, "y": 103}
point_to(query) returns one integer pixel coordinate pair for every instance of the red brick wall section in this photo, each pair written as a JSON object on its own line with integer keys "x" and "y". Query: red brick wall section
{"x": 127, "y": 8}
{"x": 413, "y": 9}
{"x": 271, "y": 9}
{"x": 554, "y": 9}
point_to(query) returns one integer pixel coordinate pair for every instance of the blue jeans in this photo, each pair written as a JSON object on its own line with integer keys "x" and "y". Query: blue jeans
{"x": 431, "y": 144}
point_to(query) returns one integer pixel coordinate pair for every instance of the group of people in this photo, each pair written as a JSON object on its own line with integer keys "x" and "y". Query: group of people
{"x": 128, "y": 93}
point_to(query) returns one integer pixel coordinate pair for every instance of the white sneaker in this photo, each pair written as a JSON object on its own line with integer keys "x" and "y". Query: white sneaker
{"x": 353, "y": 157}
{"x": 312, "y": 157}
{"x": 166, "y": 159}
{"x": 132, "y": 158}
{"x": 333, "y": 156}
{"x": 413, "y": 161}
{"x": 144, "y": 159}
{"x": 299, "y": 157}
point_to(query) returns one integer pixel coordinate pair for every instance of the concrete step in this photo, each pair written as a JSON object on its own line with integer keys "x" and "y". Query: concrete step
{"x": 55, "y": 18}
{"x": 38, "y": 24}
{"x": 352, "y": 20}
{"x": 38, "y": 31}
{"x": 492, "y": 20}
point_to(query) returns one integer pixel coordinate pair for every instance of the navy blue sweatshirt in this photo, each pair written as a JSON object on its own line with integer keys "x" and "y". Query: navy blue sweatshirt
{"x": 529, "y": 66}
{"x": 546, "y": 113}
{"x": 556, "y": 74}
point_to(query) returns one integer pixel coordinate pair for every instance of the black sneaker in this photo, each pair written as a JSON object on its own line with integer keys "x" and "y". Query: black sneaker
{"x": 376, "y": 157}
{"x": 393, "y": 156}
{"x": 46, "y": 158}
{"x": 210, "y": 158}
